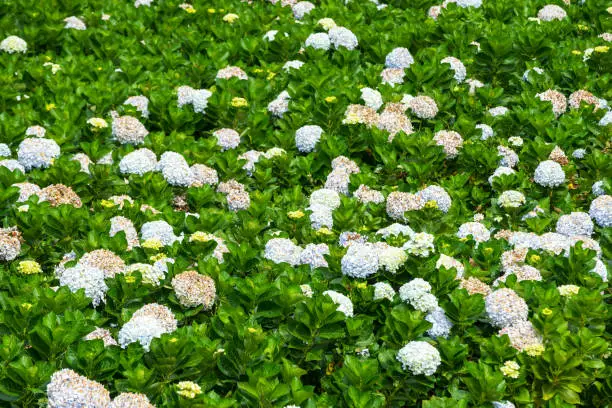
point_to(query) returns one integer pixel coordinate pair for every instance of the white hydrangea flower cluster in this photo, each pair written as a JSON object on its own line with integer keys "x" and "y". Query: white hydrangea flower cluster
{"x": 360, "y": 260}
{"x": 198, "y": 98}
{"x": 487, "y": 131}
{"x": 450, "y": 141}
{"x": 399, "y": 58}
{"x": 501, "y": 171}
{"x": 138, "y": 162}
{"x": 420, "y": 358}
{"x": 227, "y": 139}
{"x": 441, "y": 325}
{"x": 457, "y": 66}
{"x": 89, "y": 278}
{"x": 449, "y": 263}
{"x": 372, "y": 98}
{"x": 420, "y": 244}
{"x": 551, "y": 12}
{"x": 399, "y": 202}
{"x": 511, "y": 199}
{"x": 367, "y": 195}
{"x": 339, "y": 178}
{"x": 549, "y": 174}
{"x": 159, "y": 230}
{"x": 576, "y": 223}
{"x": 74, "y": 23}
{"x": 382, "y": 290}
{"x": 418, "y": 294}
{"x": 193, "y": 289}
{"x": 10, "y": 243}
{"x": 13, "y": 44}
{"x": 140, "y": 102}
{"x": 396, "y": 229}
{"x": 504, "y": 308}
{"x": 69, "y": 389}
{"x": 151, "y": 274}
{"x": 318, "y": 41}
{"x": 36, "y": 152}
{"x": 322, "y": 204}
{"x": 307, "y": 137}
{"x": 280, "y": 250}
{"x": 128, "y": 130}
{"x": 301, "y": 9}
{"x": 477, "y": 230}
{"x": 280, "y": 105}
{"x": 147, "y": 323}
{"x": 345, "y": 305}
{"x": 342, "y": 37}
{"x": 601, "y": 210}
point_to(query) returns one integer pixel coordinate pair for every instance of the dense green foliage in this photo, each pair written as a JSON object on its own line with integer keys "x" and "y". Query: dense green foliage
{"x": 265, "y": 343}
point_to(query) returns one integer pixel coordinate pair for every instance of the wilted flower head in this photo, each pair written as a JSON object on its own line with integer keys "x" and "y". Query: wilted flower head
{"x": 193, "y": 289}
{"x": 556, "y": 98}
{"x": 450, "y": 141}
{"x": 69, "y": 389}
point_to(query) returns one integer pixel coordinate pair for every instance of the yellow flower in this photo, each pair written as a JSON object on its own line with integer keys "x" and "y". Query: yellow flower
{"x": 190, "y": 10}
{"x": 252, "y": 330}
{"x": 107, "y": 203}
{"x": 239, "y": 102}
{"x": 23, "y": 208}
{"x": 576, "y": 52}
{"x": 601, "y": 48}
{"x": 546, "y": 311}
{"x": 211, "y": 11}
{"x": 324, "y": 231}
{"x": 173, "y": 340}
{"x": 510, "y": 369}
{"x": 534, "y": 350}
{"x": 26, "y": 306}
{"x": 488, "y": 250}
{"x": 362, "y": 285}
{"x": 130, "y": 279}
{"x": 294, "y": 215}
{"x": 258, "y": 71}
{"x": 152, "y": 243}
{"x": 431, "y": 204}
{"x": 535, "y": 258}
{"x": 327, "y": 23}
{"x": 188, "y": 389}
{"x": 230, "y": 18}
{"x": 271, "y": 75}
{"x": 29, "y": 267}
{"x": 98, "y": 123}
{"x": 157, "y": 257}
{"x": 582, "y": 27}
{"x": 200, "y": 236}
{"x": 50, "y": 107}
{"x": 331, "y": 99}
{"x": 609, "y": 10}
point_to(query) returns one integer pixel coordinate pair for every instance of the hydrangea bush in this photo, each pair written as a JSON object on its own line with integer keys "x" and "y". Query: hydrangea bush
{"x": 273, "y": 203}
